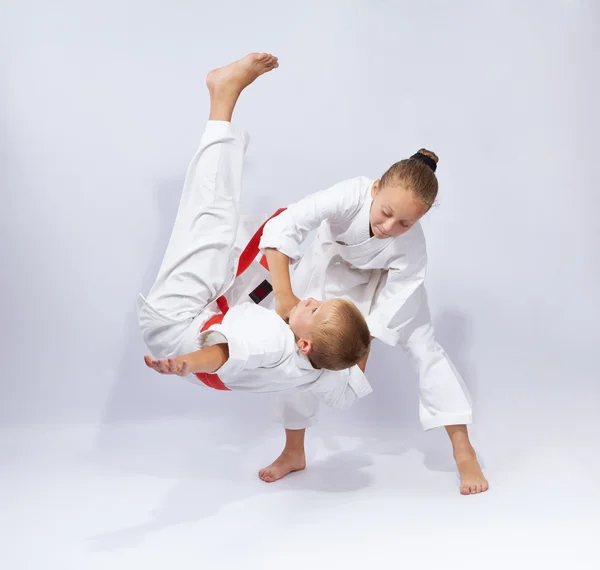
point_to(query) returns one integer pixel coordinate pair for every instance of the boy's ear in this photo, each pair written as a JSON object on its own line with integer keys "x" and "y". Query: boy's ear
{"x": 305, "y": 346}
{"x": 375, "y": 188}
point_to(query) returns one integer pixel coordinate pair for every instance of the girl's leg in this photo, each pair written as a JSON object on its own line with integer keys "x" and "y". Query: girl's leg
{"x": 443, "y": 397}
{"x": 299, "y": 409}
{"x": 292, "y": 457}
{"x": 295, "y": 411}
{"x": 472, "y": 480}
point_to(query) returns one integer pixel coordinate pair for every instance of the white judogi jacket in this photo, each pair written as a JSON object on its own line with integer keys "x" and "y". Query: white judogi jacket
{"x": 384, "y": 278}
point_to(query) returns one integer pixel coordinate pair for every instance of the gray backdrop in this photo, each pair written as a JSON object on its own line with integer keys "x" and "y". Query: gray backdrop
{"x": 102, "y": 106}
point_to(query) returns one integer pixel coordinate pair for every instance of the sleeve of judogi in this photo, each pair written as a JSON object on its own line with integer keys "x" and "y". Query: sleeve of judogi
{"x": 341, "y": 388}
{"x": 286, "y": 231}
{"x": 255, "y": 338}
{"x": 405, "y": 275}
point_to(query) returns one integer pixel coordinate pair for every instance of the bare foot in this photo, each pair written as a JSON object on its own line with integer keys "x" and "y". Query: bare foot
{"x": 233, "y": 78}
{"x": 284, "y": 464}
{"x": 472, "y": 480}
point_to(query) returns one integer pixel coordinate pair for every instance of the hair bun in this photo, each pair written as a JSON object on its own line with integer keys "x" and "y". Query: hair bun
{"x": 426, "y": 157}
{"x": 429, "y": 153}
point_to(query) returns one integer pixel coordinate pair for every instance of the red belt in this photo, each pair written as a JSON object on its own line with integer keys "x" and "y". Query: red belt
{"x": 246, "y": 258}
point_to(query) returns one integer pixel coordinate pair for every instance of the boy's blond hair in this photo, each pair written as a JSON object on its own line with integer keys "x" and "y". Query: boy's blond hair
{"x": 342, "y": 340}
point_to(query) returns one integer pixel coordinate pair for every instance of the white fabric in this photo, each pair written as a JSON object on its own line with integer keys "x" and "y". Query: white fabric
{"x": 200, "y": 265}
{"x": 385, "y": 278}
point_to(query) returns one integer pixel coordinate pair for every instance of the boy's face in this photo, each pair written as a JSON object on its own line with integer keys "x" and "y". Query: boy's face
{"x": 304, "y": 317}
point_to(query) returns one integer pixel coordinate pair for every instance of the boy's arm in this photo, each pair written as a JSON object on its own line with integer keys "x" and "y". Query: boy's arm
{"x": 207, "y": 360}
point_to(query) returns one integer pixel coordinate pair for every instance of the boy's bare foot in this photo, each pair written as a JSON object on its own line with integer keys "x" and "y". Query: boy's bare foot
{"x": 284, "y": 464}
{"x": 226, "y": 83}
{"x": 241, "y": 73}
{"x": 472, "y": 480}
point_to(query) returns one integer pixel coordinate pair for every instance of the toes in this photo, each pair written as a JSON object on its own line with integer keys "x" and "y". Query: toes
{"x": 267, "y": 477}
{"x": 464, "y": 490}
{"x": 270, "y": 61}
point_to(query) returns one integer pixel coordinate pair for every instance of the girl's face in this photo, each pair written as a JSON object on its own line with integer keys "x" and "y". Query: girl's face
{"x": 394, "y": 210}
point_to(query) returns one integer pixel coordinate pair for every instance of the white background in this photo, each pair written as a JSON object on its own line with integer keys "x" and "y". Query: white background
{"x": 105, "y": 465}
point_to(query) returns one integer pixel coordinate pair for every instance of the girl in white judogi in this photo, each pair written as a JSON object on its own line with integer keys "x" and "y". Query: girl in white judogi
{"x": 370, "y": 248}
{"x": 185, "y": 320}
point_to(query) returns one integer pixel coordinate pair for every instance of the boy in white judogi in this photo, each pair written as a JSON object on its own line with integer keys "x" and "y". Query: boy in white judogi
{"x": 184, "y": 323}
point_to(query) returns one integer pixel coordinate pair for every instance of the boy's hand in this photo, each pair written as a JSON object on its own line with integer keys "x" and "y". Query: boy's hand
{"x": 169, "y": 366}
{"x": 284, "y": 305}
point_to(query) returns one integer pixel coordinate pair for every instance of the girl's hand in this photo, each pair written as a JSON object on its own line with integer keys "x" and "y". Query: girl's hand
{"x": 284, "y": 305}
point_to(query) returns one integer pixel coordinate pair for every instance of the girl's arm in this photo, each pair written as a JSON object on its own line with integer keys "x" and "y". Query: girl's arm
{"x": 288, "y": 230}
{"x": 279, "y": 267}
{"x": 283, "y": 234}
{"x": 207, "y": 360}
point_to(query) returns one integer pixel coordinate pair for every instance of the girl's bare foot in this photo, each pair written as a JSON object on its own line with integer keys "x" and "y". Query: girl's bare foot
{"x": 226, "y": 83}
{"x": 472, "y": 480}
{"x": 284, "y": 464}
